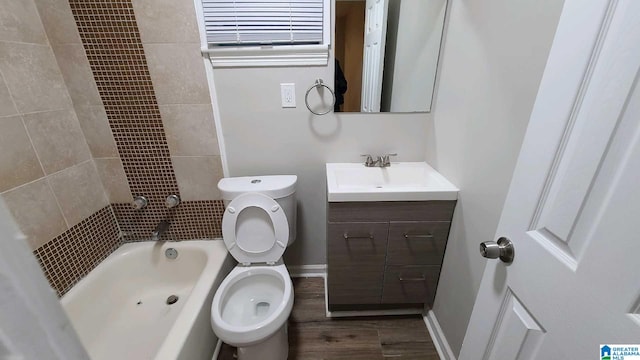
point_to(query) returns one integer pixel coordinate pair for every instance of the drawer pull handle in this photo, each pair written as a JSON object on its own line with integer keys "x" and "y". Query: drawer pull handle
{"x": 418, "y": 236}
{"x": 422, "y": 278}
{"x": 347, "y": 236}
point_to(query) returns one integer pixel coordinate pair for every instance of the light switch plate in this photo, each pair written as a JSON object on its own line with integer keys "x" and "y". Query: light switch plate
{"x": 288, "y": 95}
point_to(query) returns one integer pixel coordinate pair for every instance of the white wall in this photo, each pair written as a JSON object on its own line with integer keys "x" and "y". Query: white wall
{"x": 262, "y": 138}
{"x": 492, "y": 63}
{"x": 417, "y": 47}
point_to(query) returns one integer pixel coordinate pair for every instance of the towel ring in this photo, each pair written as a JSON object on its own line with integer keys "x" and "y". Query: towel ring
{"x": 319, "y": 84}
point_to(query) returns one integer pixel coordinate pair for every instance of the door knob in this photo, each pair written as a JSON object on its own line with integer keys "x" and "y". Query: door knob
{"x": 502, "y": 249}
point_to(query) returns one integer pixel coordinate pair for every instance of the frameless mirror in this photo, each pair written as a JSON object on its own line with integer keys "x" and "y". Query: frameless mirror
{"x": 387, "y": 54}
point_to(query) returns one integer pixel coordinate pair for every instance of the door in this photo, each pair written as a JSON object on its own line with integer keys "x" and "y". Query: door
{"x": 375, "y": 33}
{"x": 573, "y": 208}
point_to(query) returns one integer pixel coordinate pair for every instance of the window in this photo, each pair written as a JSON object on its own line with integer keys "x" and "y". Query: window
{"x": 265, "y": 32}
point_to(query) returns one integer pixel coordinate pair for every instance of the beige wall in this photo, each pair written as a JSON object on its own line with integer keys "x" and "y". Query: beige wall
{"x": 261, "y": 138}
{"x": 47, "y": 176}
{"x": 65, "y": 40}
{"x": 494, "y": 55}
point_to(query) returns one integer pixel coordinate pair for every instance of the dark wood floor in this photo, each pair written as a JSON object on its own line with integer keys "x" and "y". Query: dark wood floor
{"x": 312, "y": 336}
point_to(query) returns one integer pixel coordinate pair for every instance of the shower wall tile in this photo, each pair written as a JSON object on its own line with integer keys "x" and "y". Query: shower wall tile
{"x": 18, "y": 24}
{"x": 178, "y": 74}
{"x": 6, "y": 103}
{"x": 33, "y": 77}
{"x": 79, "y": 192}
{"x": 191, "y": 220}
{"x": 166, "y": 21}
{"x": 114, "y": 179}
{"x": 58, "y": 21}
{"x": 63, "y": 214}
{"x": 95, "y": 126}
{"x": 36, "y": 211}
{"x": 18, "y": 160}
{"x": 77, "y": 74}
{"x": 57, "y": 138}
{"x": 191, "y": 130}
{"x": 132, "y": 80}
{"x": 110, "y": 36}
{"x": 70, "y": 256}
{"x": 198, "y": 176}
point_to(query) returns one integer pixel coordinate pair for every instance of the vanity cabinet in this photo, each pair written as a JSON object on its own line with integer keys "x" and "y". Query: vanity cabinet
{"x": 384, "y": 255}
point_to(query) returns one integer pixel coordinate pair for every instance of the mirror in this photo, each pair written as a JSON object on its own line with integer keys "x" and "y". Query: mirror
{"x": 387, "y": 54}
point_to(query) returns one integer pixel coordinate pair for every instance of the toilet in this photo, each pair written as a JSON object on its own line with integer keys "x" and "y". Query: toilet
{"x": 252, "y": 304}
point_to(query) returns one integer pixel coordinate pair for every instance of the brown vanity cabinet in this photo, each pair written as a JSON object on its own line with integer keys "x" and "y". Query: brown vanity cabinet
{"x": 383, "y": 255}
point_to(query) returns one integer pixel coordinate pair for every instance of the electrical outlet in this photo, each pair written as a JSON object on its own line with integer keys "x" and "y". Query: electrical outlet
{"x": 288, "y": 95}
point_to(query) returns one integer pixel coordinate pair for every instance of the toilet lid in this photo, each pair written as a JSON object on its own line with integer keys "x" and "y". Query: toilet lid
{"x": 255, "y": 229}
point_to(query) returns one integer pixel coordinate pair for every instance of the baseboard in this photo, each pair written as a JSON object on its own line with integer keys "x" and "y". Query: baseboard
{"x": 439, "y": 340}
{"x": 307, "y": 270}
{"x": 356, "y": 313}
{"x": 216, "y": 352}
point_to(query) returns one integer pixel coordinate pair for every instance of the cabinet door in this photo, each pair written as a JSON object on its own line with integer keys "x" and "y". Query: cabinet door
{"x": 410, "y": 284}
{"x": 356, "y": 255}
{"x": 417, "y": 242}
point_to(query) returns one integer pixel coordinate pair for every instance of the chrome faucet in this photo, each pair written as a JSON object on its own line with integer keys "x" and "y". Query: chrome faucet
{"x": 162, "y": 227}
{"x": 384, "y": 160}
{"x": 380, "y": 161}
{"x": 368, "y": 162}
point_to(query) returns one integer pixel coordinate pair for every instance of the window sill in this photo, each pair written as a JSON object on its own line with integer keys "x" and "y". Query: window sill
{"x": 298, "y": 55}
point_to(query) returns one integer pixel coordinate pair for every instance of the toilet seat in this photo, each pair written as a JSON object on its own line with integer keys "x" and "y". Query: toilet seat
{"x": 251, "y": 246}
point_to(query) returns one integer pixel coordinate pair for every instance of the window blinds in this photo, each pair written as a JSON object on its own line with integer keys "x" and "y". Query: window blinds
{"x": 260, "y": 22}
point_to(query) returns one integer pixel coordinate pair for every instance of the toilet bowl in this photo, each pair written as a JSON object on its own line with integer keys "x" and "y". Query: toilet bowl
{"x": 252, "y": 304}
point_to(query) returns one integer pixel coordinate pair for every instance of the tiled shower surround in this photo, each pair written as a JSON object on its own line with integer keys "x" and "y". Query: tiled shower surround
{"x": 70, "y": 256}
{"x": 111, "y": 39}
{"x": 114, "y": 49}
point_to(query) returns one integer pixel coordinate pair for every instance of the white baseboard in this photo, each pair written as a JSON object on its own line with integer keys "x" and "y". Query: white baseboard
{"x": 355, "y": 313}
{"x": 307, "y": 270}
{"x": 439, "y": 340}
{"x": 216, "y": 352}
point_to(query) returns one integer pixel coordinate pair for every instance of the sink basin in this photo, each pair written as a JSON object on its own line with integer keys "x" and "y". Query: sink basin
{"x": 402, "y": 181}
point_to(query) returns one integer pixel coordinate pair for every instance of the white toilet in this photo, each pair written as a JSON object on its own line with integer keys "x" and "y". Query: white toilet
{"x": 251, "y": 307}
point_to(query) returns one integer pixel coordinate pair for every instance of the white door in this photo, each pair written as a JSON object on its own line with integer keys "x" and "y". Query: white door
{"x": 573, "y": 209}
{"x": 375, "y": 33}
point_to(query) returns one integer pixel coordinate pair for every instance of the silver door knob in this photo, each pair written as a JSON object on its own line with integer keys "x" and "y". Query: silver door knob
{"x": 502, "y": 249}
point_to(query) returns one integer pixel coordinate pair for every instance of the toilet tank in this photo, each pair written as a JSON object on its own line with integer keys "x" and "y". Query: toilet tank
{"x": 281, "y": 188}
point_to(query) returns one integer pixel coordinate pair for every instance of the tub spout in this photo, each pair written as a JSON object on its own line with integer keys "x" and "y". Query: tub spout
{"x": 162, "y": 227}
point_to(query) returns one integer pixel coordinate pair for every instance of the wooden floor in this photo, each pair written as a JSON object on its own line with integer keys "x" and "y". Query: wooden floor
{"x": 312, "y": 336}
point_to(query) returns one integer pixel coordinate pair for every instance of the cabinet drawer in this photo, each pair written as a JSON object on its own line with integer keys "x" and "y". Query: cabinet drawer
{"x": 410, "y": 284}
{"x": 441, "y": 210}
{"x": 356, "y": 255}
{"x": 417, "y": 242}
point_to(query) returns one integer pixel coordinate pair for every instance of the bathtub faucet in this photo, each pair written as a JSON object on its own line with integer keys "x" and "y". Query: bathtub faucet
{"x": 162, "y": 227}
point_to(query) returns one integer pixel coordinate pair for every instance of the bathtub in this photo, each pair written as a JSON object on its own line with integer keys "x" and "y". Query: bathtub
{"x": 120, "y": 309}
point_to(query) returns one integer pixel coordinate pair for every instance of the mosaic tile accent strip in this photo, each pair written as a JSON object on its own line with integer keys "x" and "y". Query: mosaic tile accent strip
{"x": 111, "y": 39}
{"x": 190, "y": 220}
{"x": 69, "y": 257}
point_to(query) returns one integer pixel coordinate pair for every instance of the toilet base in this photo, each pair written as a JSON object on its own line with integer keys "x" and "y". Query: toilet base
{"x": 276, "y": 347}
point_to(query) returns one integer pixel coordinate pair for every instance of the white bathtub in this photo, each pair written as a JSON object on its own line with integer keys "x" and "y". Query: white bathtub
{"x": 120, "y": 311}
